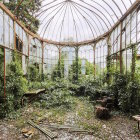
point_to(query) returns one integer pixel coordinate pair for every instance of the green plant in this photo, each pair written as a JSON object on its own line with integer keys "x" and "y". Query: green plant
{"x": 33, "y": 73}
{"x": 125, "y": 87}
{"x": 1, "y": 71}
{"x": 126, "y": 92}
{"x": 58, "y": 71}
{"x": 118, "y": 87}
{"x": 26, "y": 16}
{"x": 90, "y": 127}
{"x": 75, "y": 70}
{"x": 34, "y": 85}
{"x": 56, "y": 98}
{"x": 89, "y": 68}
{"x": 133, "y": 95}
{"x": 58, "y": 94}
{"x": 92, "y": 88}
{"x": 16, "y": 85}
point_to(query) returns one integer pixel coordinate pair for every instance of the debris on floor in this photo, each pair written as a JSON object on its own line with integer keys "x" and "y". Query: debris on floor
{"x": 46, "y": 131}
{"x": 28, "y": 132}
{"x": 74, "y": 124}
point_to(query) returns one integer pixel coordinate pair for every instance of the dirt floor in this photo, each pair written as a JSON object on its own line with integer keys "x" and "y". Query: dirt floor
{"x": 82, "y": 115}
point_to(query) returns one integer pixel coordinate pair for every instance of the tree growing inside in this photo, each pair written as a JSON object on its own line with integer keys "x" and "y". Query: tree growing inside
{"x": 26, "y": 12}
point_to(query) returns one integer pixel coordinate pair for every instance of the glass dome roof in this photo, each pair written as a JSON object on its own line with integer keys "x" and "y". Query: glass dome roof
{"x": 79, "y": 20}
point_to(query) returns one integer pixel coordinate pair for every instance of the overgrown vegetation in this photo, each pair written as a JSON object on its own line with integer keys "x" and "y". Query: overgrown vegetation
{"x": 124, "y": 88}
{"x": 2, "y": 71}
{"x": 75, "y": 70}
{"x": 33, "y": 73}
{"x": 92, "y": 88}
{"x": 16, "y": 85}
{"x": 126, "y": 92}
{"x": 25, "y": 12}
{"x": 56, "y": 98}
{"x": 58, "y": 71}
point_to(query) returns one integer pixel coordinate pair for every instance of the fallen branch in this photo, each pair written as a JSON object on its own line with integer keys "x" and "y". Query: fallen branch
{"x": 69, "y": 128}
{"x": 61, "y": 126}
{"x": 80, "y": 131}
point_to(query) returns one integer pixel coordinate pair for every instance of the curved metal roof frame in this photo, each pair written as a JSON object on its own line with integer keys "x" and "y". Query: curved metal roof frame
{"x": 78, "y": 21}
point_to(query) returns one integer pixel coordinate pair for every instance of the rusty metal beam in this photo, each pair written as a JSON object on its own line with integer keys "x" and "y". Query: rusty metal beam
{"x": 135, "y": 5}
{"x": 121, "y": 55}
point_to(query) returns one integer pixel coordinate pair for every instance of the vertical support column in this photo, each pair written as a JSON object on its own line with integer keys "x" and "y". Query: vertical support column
{"x": 4, "y": 55}
{"x": 59, "y": 63}
{"x": 121, "y": 61}
{"x": 59, "y": 54}
{"x": 42, "y": 60}
{"x": 125, "y": 48}
{"x": 14, "y": 53}
{"x": 28, "y": 58}
{"x": 134, "y": 48}
{"x": 94, "y": 61}
{"x": 28, "y": 46}
{"x": 134, "y": 59}
{"x": 137, "y": 26}
{"x": 14, "y": 35}
{"x": 77, "y": 64}
{"x": 4, "y": 75}
{"x": 108, "y": 60}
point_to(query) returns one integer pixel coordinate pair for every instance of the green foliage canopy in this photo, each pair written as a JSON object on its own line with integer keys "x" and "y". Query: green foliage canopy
{"x": 25, "y": 12}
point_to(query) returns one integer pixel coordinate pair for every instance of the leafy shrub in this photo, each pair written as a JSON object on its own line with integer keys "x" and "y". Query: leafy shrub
{"x": 129, "y": 97}
{"x": 34, "y": 85}
{"x": 89, "y": 68}
{"x": 48, "y": 85}
{"x": 1, "y": 71}
{"x": 58, "y": 93}
{"x": 91, "y": 87}
{"x": 75, "y": 70}
{"x": 1, "y": 79}
{"x": 118, "y": 87}
{"x": 134, "y": 95}
{"x": 58, "y": 71}
{"x": 126, "y": 92}
{"x": 33, "y": 73}
{"x": 16, "y": 85}
{"x": 56, "y": 98}
{"x": 60, "y": 84}
{"x": 6, "y": 105}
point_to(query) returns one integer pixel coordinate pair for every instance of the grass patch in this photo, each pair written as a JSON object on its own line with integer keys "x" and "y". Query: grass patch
{"x": 90, "y": 127}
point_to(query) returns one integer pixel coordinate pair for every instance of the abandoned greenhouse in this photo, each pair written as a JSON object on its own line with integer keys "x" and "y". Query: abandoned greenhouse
{"x": 69, "y": 69}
